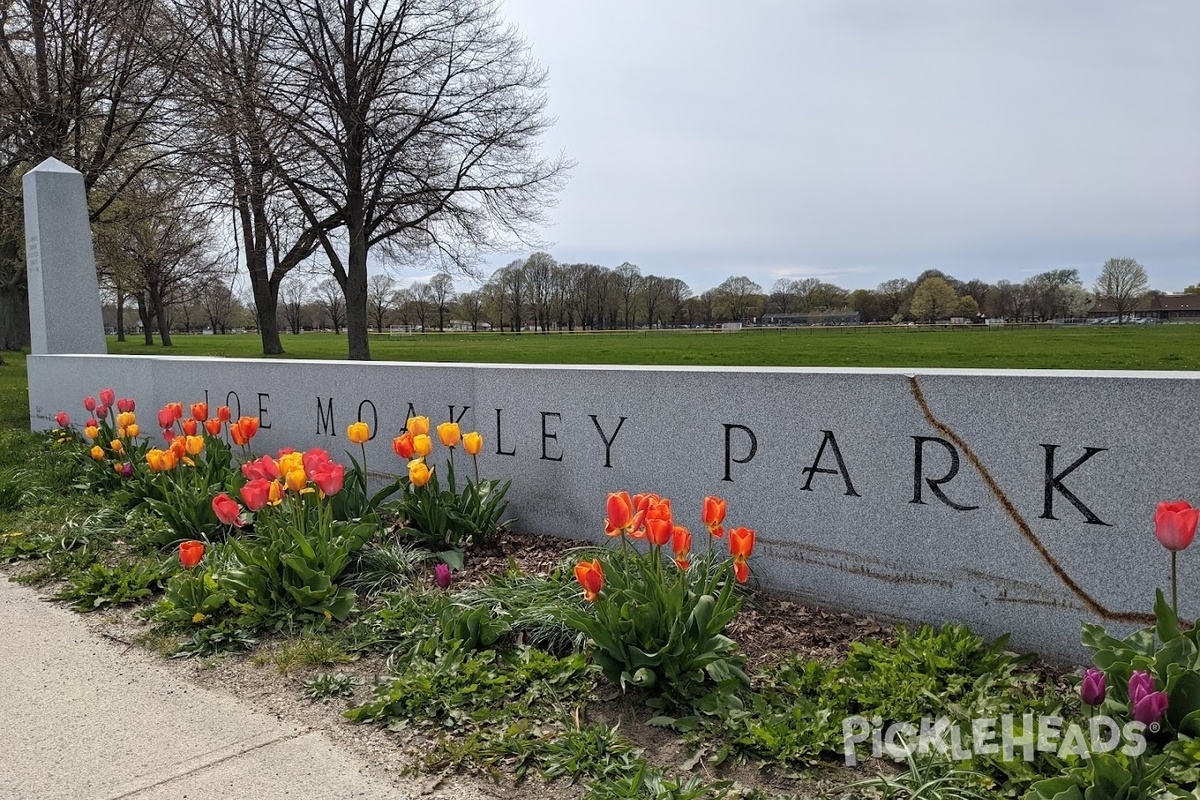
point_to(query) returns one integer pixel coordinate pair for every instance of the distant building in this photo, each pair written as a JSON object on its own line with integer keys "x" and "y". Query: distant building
{"x": 813, "y": 318}
{"x": 1162, "y": 307}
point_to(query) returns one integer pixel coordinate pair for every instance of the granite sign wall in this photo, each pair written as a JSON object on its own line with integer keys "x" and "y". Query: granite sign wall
{"x": 1015, "y": 501}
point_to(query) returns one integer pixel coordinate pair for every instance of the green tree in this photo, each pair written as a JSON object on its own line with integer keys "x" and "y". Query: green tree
{"x": 934, "y": 299}
{"x": 1122, "y": 285}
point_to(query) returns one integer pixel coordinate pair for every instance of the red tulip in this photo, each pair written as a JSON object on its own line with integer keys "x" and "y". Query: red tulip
{"x": 224, "y": 414}
{"x": 403, "y": 445}
{"x": 227, "y": 510}
{"x": 176, "y": 409}
{"x": 256, "y": 493}
{"x": 314, "y": 459}
{"x": 713, "y": 515}
{"x": 591, "y": 577}
{"x": 1175, "y": 524}
{"x": 89, "y": 403}
{"x": 329, "y": 478}
{"x": 190, "y": 553}
{"x": 126, "y": 405}
{"x": 62, "y": 419}
{"x": 101, "y": 411}
{"x": 166, "y": 418}
{"x": 108, "y": 397}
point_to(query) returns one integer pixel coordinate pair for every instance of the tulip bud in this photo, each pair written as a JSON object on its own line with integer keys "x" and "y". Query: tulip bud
{"x": 62, "y": 419}
{"x": 442, "y": 575}
{"x": 1093, "y": 688}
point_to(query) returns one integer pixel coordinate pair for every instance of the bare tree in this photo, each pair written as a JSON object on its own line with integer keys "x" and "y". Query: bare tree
{"x": 331, "y": 302}
{"x": 1123, "y": 285}
{"x": 421, "y": 303}
{"x": 218, "y": 303}
{"x": 470, "y": 304}
{"x": 441, "y": 293}
{"x": 737, "y": 297}
{"x": 84, "y": 81}
{"x": 380, "y": 291}
{"x": 628, "y": 280}
{"x": 294, "y": 292}
{"x": 418, "y": 122}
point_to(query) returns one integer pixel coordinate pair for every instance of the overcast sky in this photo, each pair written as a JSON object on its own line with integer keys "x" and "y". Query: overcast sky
{"x": 862, "y": 140}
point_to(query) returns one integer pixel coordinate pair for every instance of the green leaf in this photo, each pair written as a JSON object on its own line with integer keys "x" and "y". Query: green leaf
{"x": 455, "y": 559}
{"x": 1167, "y": 624}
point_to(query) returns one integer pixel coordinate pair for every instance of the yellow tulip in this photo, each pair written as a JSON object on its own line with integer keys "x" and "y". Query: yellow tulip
{"x": 290, "y": 462}
{"x": 449, "y": 433}
{"x": 97, "y": 453}
{"x": 132, "y": 430}
{"x": 125, "y": 419}
{"x": 417, "y": 425}
{"x": 358, "y": 432}
{"x": 422, "y": 444}
{"x": 296, "y": 479}
{"x": 91, "y": 431}
{"x": 194, "y": 444}
{"x": 472, "y": 443}
{"x": 117, "y": 447}
{"x": 275, "y": 494}
{"x": 418, "y": 473}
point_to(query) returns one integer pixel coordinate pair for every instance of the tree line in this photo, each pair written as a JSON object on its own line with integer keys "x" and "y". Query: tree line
{"x": 538, "y": 294}
{"x": 262, "y": 136}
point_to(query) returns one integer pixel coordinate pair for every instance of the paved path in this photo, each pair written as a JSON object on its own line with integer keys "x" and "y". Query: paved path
{"x": 80, "y": 720}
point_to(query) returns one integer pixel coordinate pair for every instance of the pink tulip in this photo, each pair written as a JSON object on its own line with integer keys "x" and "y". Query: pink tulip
{"x": 102, "y": 411}
{"x": 329, "y": 478}
{"x": 1175, "y": 524}
{"x": 108, "y": 396}
{"x": 227, "y": 510}
{"x": 62, "y": 419}
{"x": 126, "y": 405}
{"x": 89, "y": 403}
{"x": 441, "y": 574}
{"x": 1093, "y": 688}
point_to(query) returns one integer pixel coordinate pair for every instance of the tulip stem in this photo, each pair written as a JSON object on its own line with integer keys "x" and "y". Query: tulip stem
{"x": 1174, "y": 586}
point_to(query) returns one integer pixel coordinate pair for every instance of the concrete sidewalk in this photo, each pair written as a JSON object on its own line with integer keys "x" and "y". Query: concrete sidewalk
{"x": 80, "y": 720}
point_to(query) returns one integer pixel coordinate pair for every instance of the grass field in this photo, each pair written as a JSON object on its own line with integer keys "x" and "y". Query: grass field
{"x": 1174, "y": 347}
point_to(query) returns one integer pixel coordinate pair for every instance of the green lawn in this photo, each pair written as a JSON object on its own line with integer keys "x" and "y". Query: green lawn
{"x": 1172, "y": 347}
{"x": 1168, "y": 347}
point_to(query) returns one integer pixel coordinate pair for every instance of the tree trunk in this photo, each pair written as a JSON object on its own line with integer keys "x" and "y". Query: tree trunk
{"x": 145, "y": 317}
{"x": 120, "y": 315}
{"x": 14, "y": 298}
{"x": 355, "y": 290}
{"x": 266, "y": 305}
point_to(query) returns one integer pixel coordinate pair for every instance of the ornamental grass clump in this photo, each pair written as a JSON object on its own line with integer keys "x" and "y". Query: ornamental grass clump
{"x": 657, "y": 611}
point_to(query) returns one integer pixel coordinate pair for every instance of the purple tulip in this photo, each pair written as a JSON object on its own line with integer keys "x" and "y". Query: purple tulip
{"x": 441, "y": 573}
{"x": 1140, "y": 685}
{"x": 1150, "y": 707}
{"x": 127, "y": 470}
{"x": 1093, "y": 688}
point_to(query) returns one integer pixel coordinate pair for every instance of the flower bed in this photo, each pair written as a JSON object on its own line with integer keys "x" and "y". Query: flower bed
{"x": 286, "y": 555}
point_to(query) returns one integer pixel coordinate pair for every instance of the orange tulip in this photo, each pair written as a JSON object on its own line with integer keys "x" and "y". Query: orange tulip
{"x": 190, "y": 427}
{"x": 449, "y": 433}
{"x": 417, "y": 425}
{"x": 403, "y": 446}
{"x": 97, "y": 452}
{"x": 176, "y": 410}
{"x": 681, "y": 545}
{"x": 621, "y": 515}
{"x": 422, "y": 444}
{"x": 658, "y": 531}
{"x": 713, "y": 515}
{"x": 213, "y": 426}
{"x": 741, "y": 543}
{"x": 178, "y": 446}
{"x": 200, "y": 412}
{"x": 358, "y": 432}
{"x": 418, "y": 472}
{"x": 243, "y": 430}
{"x": 741, "y": 571}
{"x": 116, "y": 446}
{"x": 191, "y": 552}
{"x": 224, "y": 414}
{"x": 473, "y": 443}
{"x": 590, "y": 575}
